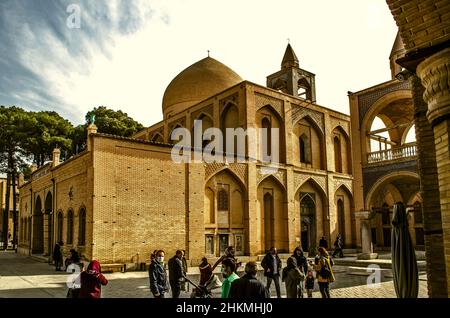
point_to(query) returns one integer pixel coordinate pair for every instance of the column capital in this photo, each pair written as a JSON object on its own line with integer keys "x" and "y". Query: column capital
{"x": 434, "y": 72}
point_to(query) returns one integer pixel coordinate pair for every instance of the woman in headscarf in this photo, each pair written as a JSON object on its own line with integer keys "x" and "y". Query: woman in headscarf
{"x": 92, "y": 280}
{"x": 325, "y": 274}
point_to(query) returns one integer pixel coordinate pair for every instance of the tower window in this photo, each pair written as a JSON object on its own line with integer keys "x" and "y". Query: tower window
{"x": 222, "y": 200}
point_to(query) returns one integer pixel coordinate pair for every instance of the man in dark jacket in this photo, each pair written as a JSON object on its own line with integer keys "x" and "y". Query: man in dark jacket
{"x": 272, "y": 269}
{"x": 338, "y": 244}
{"x": 176, "y": 274}
{"x": 158, "y": 276}
{"x": 248, "y": 286}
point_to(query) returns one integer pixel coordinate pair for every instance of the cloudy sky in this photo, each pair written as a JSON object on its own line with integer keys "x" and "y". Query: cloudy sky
{"x": 126, "y": 52}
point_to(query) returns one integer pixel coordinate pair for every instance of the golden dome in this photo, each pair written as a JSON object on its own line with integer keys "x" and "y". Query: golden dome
{"x": 199, "y": 81}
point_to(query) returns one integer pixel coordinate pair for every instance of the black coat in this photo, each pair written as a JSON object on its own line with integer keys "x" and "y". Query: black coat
{"x": 158, "y": 278}
{"x": 57, "y": 255}
{"x": 175, "y": 270}
{"x": 302, "y": 263}
{"x": 267, "y": 263}
{"x": 248, "y": 287}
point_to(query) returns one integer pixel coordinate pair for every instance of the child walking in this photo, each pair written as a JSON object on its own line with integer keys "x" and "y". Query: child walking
{"x": 309, "y": 283}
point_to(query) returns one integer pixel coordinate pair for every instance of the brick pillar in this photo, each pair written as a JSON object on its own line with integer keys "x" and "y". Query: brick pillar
{"x": 434, "y": 72}
{"x": 429, "y": 186}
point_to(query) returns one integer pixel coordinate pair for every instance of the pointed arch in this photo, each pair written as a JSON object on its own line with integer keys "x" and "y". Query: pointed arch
{"x": 70, "y": 222}
{"x": 345, "y": 221}
{"x": 241, "y": 182}
{"x": 38, "y": 227}
{"x": 275, "y": 180}
{"x": 157, "y": 137}
{"x": 272, "y": 214}
{"x": 268, "y": 117}
{"x": 309, "y": 135}
{"x": 82, "y": 226}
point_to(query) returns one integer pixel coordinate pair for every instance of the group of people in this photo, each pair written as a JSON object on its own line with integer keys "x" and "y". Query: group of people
{"x": 88, "y": 284}
{"x": 298, "y": 274}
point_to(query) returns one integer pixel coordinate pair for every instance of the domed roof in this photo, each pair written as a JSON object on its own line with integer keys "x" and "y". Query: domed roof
{"x": 199, "y": 81}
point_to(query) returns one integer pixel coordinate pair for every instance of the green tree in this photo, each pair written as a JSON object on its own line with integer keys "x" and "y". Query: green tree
{"x": 49, "y": 130}
{"x": 113, "y": 122}
{"x": 108, "y": 121}
{"x": 14, "y": 128}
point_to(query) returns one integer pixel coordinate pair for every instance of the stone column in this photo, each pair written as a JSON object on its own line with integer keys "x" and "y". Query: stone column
{"x": 366, "y": 236}
{"x": 434, "y": 72}
{"x": 429, "y": 186}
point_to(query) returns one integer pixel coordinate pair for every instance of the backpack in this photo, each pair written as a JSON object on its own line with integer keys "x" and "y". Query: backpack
{"x": 325, "y": 271}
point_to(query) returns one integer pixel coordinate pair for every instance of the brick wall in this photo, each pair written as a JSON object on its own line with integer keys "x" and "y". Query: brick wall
{"x": 422, "y": 23}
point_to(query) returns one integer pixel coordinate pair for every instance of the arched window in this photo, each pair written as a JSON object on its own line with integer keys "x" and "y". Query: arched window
{"x": 70, "y": 227}
{"x": 59, "y": 226}
{"x": 266, "y": 142}
{"x": 337, "y": 155}
{"x": 305, "y": 149}
{"x": 222, "y": 200}
{"x": 82, "y": 227}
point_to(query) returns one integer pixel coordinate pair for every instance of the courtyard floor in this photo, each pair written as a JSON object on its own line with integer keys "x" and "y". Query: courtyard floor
{"x": 24, "y": 277}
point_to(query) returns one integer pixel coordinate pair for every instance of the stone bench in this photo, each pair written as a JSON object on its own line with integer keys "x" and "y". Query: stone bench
{"x": 111, "y": 268}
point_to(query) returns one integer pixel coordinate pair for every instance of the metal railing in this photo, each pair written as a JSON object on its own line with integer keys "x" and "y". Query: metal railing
{"x": 405, "y": 151}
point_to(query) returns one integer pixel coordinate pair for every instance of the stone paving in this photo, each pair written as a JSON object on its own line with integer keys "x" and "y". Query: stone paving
{"x": 23, "y": 277}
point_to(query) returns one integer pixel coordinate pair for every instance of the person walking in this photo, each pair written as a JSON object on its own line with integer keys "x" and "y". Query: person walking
{"x": 338, "y": 244}
{"x": 91, "y": 281}
{"x": 302, "y": 264}
{"x": 292, "y": 277}
{"x": 271, "y": 264}
{"x": 176, "y": 274}
{"x": 229, "y": 275}
{"x": 184, "y": 285}
{"x": 325, "y": 274}
{"x": 323, "y": 243}
{"x": 248, "y": 286}
{"x": 57, "y": 256}
{"x": 205, "y": 271}
{"x": 158, "y": 277}
{"x": 309, "y": 284}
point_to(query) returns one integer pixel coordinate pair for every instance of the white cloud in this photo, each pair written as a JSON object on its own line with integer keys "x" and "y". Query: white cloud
{"x": 346, "y": 44}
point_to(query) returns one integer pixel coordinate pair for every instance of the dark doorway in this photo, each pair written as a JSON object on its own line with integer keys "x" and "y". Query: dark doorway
{"x": 387, "y": 237}
{"x": 38, "y": 228}
{"x": 49, "y": 214}
{"x": 341, "y": 219}
{"x": 269, "y": 222}
{"x": 305, "y": 237}
{"x": 308, "y": 216}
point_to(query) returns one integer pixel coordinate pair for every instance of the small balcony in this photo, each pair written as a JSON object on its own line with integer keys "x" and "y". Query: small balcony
{"x": 405, "y": 152}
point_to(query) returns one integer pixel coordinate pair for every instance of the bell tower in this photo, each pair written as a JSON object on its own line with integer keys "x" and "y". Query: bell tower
{"x": 291, "y": 79}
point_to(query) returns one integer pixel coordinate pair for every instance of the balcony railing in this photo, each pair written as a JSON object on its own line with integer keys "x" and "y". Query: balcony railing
{"x": 405, "y": 151}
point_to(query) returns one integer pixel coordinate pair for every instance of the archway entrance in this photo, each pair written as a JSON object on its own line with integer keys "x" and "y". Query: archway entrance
{"x": 341, "y": 218}
{"x": 269, "y": 221}
{"x": 48, "y": 216}
{"x": 308, "y": 221}
{"x": 38, "y": 228}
